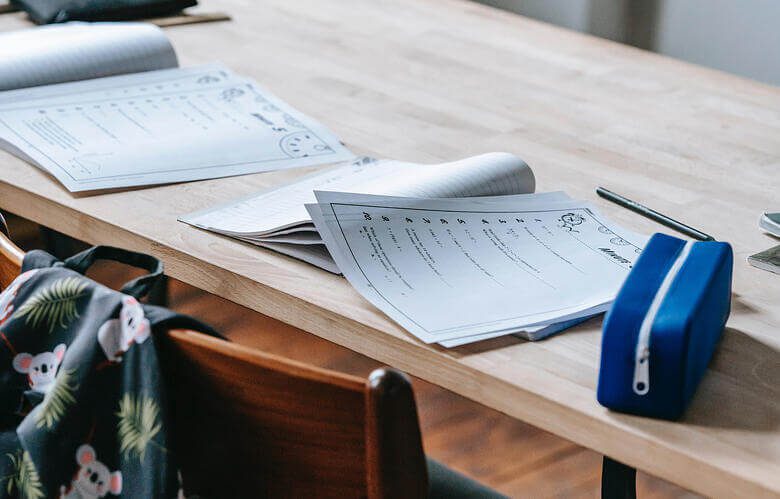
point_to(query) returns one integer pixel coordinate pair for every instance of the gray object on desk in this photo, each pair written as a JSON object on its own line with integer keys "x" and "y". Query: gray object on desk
{"x": 767, "y": 260}
{"x": 59, "y": 11}
{"x": 770, "y": 222}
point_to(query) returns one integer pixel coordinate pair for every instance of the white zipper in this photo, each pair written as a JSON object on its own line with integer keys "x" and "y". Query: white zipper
{"x": 641, "y": 383}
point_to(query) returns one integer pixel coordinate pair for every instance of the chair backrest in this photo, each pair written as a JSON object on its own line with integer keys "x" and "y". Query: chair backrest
{"x": 10, "y": 257}
{"x": 250, "y": 424}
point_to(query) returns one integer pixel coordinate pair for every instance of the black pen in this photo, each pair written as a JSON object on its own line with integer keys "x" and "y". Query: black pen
{"x": 653, "y": 215}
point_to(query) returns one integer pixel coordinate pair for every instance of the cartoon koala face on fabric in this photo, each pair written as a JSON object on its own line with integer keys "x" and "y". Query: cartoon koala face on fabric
{"x": 117, "y": 335}
{"x": 134, "y": 324}
{"x": 40, "y": 369}
{"x": 9, "y": 293}
{"x": 93, "y": 478}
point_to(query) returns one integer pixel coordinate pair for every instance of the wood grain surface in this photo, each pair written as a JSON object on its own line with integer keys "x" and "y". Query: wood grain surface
{"x": 279, "y": 428}
{"x": 435, "y": 80}
{"x": 504, "y": 453}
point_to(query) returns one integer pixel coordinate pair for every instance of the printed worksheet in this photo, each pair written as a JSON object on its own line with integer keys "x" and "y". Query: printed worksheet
{"x": 159, "y": 127}
{"x": 455, "y": 268}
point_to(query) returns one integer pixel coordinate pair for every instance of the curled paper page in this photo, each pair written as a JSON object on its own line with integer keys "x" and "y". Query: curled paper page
{"x": 80, "y": 51}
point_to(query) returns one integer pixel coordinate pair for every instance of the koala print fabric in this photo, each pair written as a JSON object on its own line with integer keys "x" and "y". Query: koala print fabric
{"x": 83, "y": 409}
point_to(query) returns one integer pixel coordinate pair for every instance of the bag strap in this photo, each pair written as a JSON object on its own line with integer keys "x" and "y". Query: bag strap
{"x": 138, "y": 287}
{"x": 38, "y": 259}
{"x": 4, "y": 226}
{"x": 166, "y": 319}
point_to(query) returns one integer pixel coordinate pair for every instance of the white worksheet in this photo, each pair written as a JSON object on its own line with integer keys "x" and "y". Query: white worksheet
{"x": 454, "y": 268}
{"x": 159, "y": 127}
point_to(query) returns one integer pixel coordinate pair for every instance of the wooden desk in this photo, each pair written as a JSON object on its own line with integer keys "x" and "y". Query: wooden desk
{"x": 434, "y": 80}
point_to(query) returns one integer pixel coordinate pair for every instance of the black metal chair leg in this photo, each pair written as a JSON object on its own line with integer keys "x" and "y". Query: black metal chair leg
{"x": 618, "y": 481}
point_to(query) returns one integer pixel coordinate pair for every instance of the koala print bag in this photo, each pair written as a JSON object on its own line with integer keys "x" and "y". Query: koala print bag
{"x": 82, "y": 404}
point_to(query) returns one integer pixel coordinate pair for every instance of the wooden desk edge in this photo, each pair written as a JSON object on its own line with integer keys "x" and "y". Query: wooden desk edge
{"x": 535, "y": 408}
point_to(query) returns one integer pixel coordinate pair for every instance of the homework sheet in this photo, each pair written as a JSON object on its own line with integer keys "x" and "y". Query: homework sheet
{"x": 158, "y": 127}
{"x": 446, "y": 269}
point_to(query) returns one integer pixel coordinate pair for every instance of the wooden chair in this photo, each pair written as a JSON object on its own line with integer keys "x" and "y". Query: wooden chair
{"x": 250, "y": 424}
{"x": 10, "y": 257}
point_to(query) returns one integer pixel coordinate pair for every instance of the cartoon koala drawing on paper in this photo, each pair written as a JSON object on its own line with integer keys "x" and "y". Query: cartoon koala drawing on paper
{"x": 9, "y": 293}
{"x": 40, "y": 369}
{"x": 571, "y": 220}
{"x": 116, "y": 335}
{"x": 93, "y": 479}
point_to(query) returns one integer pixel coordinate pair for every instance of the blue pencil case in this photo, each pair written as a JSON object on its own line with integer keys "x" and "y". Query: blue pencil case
{"x": 664, "y": 325}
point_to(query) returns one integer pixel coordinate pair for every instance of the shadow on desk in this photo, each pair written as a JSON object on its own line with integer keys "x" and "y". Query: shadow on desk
{"x": 738, "y": 305}
{"x": 740, "y": 389}
{"x": 509, "y": 340}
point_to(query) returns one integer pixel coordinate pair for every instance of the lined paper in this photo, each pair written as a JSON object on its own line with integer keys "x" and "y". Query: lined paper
{"x": 265, "y": 213}
{"x": 79, "y": 51}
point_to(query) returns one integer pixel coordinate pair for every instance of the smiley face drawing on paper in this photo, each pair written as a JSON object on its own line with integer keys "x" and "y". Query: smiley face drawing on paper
{"x": 570, "y": 220}
{"x": 303, "y": 145}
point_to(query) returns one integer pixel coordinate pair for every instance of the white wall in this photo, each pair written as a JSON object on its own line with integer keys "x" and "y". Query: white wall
{"x": 739, "y": 36}
{"x": 600, "y": 17}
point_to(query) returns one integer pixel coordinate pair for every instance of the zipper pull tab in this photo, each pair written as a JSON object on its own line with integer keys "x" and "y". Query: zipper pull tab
{"x": 642, "y": 372}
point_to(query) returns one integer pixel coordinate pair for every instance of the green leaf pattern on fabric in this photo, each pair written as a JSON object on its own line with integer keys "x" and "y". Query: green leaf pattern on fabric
{"x": 57, "y": 400}
{"x": 54, "y": 305}
{"x": 25, "y": 479}
{"x": 74, "y": 392}
{"x": 138, "y": 424}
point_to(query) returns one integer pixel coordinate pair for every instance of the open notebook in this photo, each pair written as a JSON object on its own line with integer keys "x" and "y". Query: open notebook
{"x": 277, "y": 219}
{"x": 103, "y": 106}
{"x": 81, "y": 51}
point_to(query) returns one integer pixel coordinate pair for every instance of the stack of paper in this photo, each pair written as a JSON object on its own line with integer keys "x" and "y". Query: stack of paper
{"x": 277, "y": 219}
{"x": 455, "y": 271}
